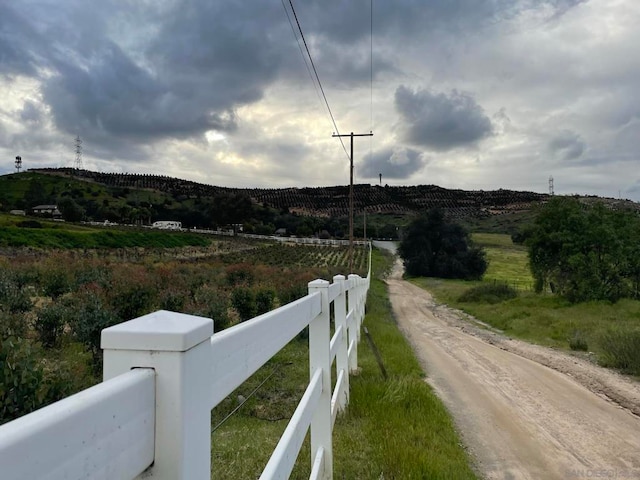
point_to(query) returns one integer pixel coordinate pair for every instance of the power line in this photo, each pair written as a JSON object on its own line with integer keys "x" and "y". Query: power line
{"x": 315, "y": 71}
{"x": 304, "y": 58}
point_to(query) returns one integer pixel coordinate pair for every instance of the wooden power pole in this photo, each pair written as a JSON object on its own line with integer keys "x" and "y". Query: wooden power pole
{"x": 370, "y": 134}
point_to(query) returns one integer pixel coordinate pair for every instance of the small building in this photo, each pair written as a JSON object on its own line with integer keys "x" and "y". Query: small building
{"x": 281, "y": 232}
{"x": 46, "y": 210}
{"x": 22, "y": 213}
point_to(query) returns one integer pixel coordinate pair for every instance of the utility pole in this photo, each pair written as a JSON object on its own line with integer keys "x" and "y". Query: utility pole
{"x": 370, "y": 134}
{"x": 365, "y": 224}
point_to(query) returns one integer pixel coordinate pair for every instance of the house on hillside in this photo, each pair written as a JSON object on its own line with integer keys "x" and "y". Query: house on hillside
{"x": 46, "y": 211}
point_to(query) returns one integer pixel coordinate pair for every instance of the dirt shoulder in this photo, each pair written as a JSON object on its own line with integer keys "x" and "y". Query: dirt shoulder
{"x": 524, "y": 411}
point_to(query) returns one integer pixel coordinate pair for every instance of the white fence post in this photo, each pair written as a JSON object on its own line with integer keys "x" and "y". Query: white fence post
{"x": 178, "y": 348}
{"x": 342, "y": 358}
{"x": 354, "y": 327}
{"x": 320, "y": 358}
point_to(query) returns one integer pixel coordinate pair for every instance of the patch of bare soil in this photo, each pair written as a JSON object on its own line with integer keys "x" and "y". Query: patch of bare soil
{"x": 524, "y": 411}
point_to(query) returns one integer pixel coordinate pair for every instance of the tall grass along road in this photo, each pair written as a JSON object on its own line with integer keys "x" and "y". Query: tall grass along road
{"x": 520, "y": 419}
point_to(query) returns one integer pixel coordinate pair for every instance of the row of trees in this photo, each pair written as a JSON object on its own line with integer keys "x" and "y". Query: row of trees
{"x": 581, "y": 251}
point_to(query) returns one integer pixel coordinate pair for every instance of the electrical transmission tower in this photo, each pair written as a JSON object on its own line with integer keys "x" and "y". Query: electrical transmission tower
{"x": 551, "y": 192}
{"x": 77, "y": 165}
{"x": 18, "y": 164}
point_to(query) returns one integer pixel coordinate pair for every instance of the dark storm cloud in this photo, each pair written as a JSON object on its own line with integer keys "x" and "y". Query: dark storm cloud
{"x": 179, "y": 72}
{"x": 16, "y": 44}
{"x": 438, "y": 121}
{"x": 398, "y": 163}
{"x": 567, "y": 145}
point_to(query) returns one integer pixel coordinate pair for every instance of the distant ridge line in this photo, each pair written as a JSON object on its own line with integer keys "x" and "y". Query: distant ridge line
{"x": 331, "y": 201}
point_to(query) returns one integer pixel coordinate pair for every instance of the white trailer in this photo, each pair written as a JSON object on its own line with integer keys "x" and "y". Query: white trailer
{"x": 167, "y": 225}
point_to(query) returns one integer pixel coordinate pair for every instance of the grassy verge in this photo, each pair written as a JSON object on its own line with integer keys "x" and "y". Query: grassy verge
{"x": 611, "y": 331}
{"x": 393, "y": 429}
{"x": 63, "y": 236}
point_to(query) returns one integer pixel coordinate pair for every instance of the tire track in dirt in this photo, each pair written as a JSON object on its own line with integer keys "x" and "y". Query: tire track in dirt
{"x": 519, "y": 418}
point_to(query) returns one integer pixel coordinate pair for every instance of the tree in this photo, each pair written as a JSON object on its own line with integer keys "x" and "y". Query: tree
{"x": 70, "y": 210}
{"x": 584, "y": 252}
{"x": 435, "y": 247}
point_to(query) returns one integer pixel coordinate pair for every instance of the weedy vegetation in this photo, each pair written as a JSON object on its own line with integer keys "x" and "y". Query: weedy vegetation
{"x": 611, "y": 331}
{"x": 55, "y": 302}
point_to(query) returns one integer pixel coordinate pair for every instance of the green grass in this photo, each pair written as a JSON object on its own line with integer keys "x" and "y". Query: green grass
{"x": 544, "y": 319}
{"x": 65, "y": 236}
{"x": 393, "y": 429}
{"x": 508, "y": 263}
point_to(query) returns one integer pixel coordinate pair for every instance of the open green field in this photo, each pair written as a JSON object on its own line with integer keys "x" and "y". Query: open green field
{"x": 16, "y": 231}
{"x": 609, "y": 330}
{"x": 508, "y": 262}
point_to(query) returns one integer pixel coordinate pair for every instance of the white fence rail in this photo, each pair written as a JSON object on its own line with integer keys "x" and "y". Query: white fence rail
{"x": 164, "y": 373}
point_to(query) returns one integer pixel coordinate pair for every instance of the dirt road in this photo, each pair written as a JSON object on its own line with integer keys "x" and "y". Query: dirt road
{"x": 519, "y": 418}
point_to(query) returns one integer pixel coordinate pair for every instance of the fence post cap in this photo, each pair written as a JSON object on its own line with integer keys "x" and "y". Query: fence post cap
{"x": 319, "y": 283}
{"x": 337, "y": 278}
{"x": 160, "y": 331}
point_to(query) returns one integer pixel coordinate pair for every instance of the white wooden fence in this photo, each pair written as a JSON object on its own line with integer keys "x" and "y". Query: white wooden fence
{"x": 164, "y": 373}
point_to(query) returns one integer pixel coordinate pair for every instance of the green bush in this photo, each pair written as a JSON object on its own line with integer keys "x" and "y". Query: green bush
{"x": 20, "y": 379}
{"x": 55, "y": 281}
{"x": 244, "y": 301}
{"x": 13, "y": 298}
{"x": 49, "y": 324}
{"x": 265, "y": 299}
{"x": 240, "y": 275}
{"x": 621, "y": 349}
{"x": 132, "y": 302}
{"x": 87, "y": 319}
{"x": 12, "y": 324}
{"x": 489, "y": 293}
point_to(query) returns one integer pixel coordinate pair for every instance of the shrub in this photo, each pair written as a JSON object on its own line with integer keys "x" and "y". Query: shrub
{"x": 133, "y": 302}
{"x": 292, "y": 292}
{"x": 243, "y": 300}
{"x": 12, "y": 324}
{"x": 489, "y": 293}
{"x": 621, "y": 349}
{"x": 13, "y": 298}
{"x": 172, "y": 301}
{"x": 87, "y": 320}
{"x": 49, "y": 324}
{"x": 264, "y": 300}
{"x": 55, "y": 281}
{"x": 239, "y": 275}
{"x": 212, "y": 303}
{"x": 20, "y": 379}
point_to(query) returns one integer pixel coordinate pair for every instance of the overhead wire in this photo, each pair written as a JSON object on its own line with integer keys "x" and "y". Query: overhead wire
{"x": 371, "y": 88}
{"x": 315, "y": 71}
{"x": 304, "y": 58}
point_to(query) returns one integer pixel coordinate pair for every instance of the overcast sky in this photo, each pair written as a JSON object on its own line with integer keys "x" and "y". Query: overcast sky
{"x": 466, "y": 94}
